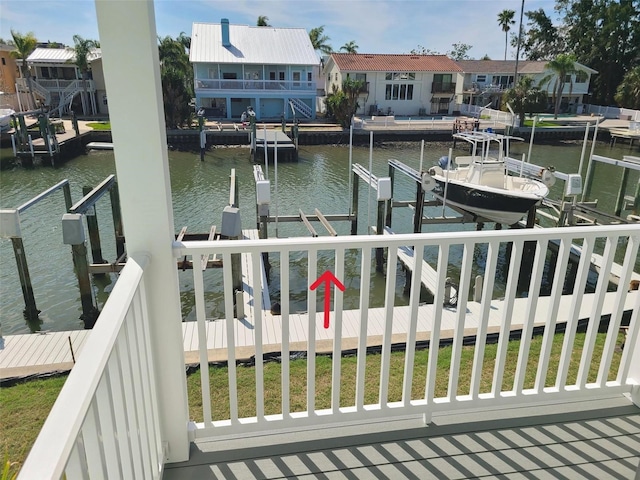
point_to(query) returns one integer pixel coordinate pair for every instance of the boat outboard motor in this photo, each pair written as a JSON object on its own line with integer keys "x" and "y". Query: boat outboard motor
{"x": 444, "y": 163}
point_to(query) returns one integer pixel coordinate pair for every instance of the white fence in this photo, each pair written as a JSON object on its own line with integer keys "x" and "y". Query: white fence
{"x": 614, "y": 112}
{"x": 595, "y": 375}
{"x": 104, "y": 423}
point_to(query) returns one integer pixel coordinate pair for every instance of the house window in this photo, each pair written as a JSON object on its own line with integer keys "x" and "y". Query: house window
{"x": 361, "y": 77}
{"x": 104, "y": 99}
{"x": 309, "y": 76}
{"x": 567, "y": 79}
{"x": 272, "y": 75}
{"x": 4, "y": 61}
{"x": 481, "y": 78}
{"x": 44, "y": 72}
{"x": 229, "y": 76}
{"x": 581, "y": 76}
{"x": 396, "y": 76}
{"x": 336, "y": 76}
{"x": 281, "y": 76}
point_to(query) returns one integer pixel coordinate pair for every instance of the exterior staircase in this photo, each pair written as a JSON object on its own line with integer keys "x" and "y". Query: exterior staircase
{"x": 298, "y": 106}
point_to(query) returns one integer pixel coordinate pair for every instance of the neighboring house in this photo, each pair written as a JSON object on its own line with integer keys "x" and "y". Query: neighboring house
{"x": 271, "y": 69}
{"x": 57, "y": 82}
{"x": 9, "y": 72}
{"x": 486, "y": 80}
{"x": 411, "y": 85}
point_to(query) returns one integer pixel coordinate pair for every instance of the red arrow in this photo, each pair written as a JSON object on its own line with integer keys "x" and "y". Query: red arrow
{"x": 326, "y": 278}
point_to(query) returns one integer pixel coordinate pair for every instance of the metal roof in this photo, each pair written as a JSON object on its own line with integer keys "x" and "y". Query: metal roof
{"x": 394, "y": 63}
{"x": 251, "y": 45}
{"x": 59, "y": 55}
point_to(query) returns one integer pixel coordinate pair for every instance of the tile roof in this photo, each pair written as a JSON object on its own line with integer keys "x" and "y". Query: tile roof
{"x": 252, "y": 45}
{"x": 394, "y": 63}
{"x": 59, "y": 55}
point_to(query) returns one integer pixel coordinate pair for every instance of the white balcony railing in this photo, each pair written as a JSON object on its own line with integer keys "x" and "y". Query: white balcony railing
{"x": 104, "y": 423}
{"x": 105, "y": 420}
{"x": 57, "y": 85}
{"x": 550, "y": 383}
{"x": 268, "y": 85}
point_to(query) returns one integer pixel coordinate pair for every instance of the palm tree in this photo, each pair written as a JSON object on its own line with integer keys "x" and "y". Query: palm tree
{"x": 525, "y": 97}
{"x": 350, "y": 47}
{"x": 505, "y": 20}
{"x": 24, "y": 46}
{"x": 176, "y": 74}
{"x": 185, "y": 40}
{"x": 563, "y": 66}
{"x": 263, "y": 21}
{"x": 319, "y": 40}
{"x": 83, "y": 49}
{"x": 628, "y": 93}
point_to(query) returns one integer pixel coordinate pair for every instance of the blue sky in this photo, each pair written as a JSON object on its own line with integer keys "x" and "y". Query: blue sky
{"x": 376, "y": 26}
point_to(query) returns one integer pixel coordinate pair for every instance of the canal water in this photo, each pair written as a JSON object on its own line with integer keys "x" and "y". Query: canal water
{"x": 319, "y": 179}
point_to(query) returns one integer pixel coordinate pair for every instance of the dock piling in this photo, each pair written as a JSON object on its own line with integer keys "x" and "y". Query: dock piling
{"x": 94, "y": 230}
{"x": 30, "y": 310}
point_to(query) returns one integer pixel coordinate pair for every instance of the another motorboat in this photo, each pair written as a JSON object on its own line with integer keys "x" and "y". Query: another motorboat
{"x": 5, "y": 119}
{"x": 480, "y": 184}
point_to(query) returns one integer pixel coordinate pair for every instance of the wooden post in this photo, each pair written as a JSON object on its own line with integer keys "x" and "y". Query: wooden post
{"x": 636, "y": 200}
{"x": 203, "y": 137}
{"x": 354, "y": 205}
{"x": 417, "y": 218}
{"x": 89, "y": 312}
{"x": 380, "y": 231}
{"x": 387, "y": 220}
{"x": 66, "y": 191}
{"x": 621, "y": 191}
{"x": 117, "y": 219}
{"x": 588, "y": 179}
{"x": 94, "y": 230}
{"x": 30, "y": 310}
{"x": 531, "y": 217}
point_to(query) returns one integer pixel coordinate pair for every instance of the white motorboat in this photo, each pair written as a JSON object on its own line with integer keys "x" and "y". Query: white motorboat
{"x": 5, "y": 119}
{"x": 480, "y": 184}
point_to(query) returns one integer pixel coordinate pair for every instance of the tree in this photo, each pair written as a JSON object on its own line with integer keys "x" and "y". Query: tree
{"x": 176, "y": 74}
{"x": 319, "y": 40}
{"x": 343, "y": 103}
{"x": 185, "y": 40}
{"x": 505, "y": 20}
{"x": 350, "y": 47}
{"x": 420, "y": 50}
{"x": 542, "y": 40}
{"x": 628, "y": 92}
{"x": 24, "y": 46}
{"x": 263, "y": 21}
{"x": 459, "y": 51}
{"x": 525, "y": 97}
{"x": 604, "y": 35}
{"x": 561, "y": 67}
{"x": 82, "y": 51}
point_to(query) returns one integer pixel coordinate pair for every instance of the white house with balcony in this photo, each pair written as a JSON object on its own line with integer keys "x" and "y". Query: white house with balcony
{"x": 406, "y": 85}
{"x": 57, "y": 82}
{"x": 485, "y": 81}
{"x": 274, "y": 70}
{"x": 124, "y": 410}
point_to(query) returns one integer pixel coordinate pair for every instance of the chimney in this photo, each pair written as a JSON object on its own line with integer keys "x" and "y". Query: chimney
{"x": 224, "y": 24}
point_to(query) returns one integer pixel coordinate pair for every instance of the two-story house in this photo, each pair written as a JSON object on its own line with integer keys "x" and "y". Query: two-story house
{"x": 9, "y": 72}
{"x": 270, "y": 69}
{"x": 398, "y": 84}
{"x": 57, "y": 81}
{"x": 486, "y": 80}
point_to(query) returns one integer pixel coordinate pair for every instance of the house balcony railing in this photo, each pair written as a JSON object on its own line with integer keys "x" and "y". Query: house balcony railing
{"x": 440, "y": 87}
{"x": 264, "y": 85}
{"x": 105, "y": 425}
{"x": 56, "y": 85}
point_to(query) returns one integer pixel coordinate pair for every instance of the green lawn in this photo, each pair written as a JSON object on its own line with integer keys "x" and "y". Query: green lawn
{"x": 100, "y": 125}
{"x": 25, "y": 406}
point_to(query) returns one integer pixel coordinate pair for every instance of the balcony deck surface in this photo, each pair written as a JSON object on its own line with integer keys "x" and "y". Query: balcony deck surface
{"x": 594, "y": 439}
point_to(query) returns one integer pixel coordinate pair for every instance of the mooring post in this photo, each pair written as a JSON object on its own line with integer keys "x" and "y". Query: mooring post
{"x": 66, "y": 191}
{"x": 531, "y": 217}
{"x": 380, "y": 231}
{"x": 203, "y": 135}
{"x": 231, "y": 229}
{"x": 621, "y": 191}
{"x": 73, "y": 234}
{"x": 588, "y": 181}
{"x": 636, "y": 200}
{"x": 387, "y": 221}
{"x": 117, "y": 219}
{"x": 417, "y": 218}
{"x": 354, "y": 205}
{"x": 74, "y": 122}
{"x": 30, "y": 310}
{"x": 94, "y": 230}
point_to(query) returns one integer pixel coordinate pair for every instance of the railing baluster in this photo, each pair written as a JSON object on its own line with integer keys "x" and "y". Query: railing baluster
{"x": 631, "y": 343}
{"x": 198, "y": 290}
{"x": 92, "y": 444}
{"x": 257, "y": 321}
{"x": 434, "y": 340}
{"x": 576, "y": 301}
{"x": 414, "y": 303}
{"x": 532, "y": 302}
{"x": 120, "y": 412}
{"x": 505, "y": 324}
{"x": 562, "y": 260}
{"x": 616, "y": 317}
{"x": 133, "y": 420}
{"x": 481, "y": 336}
{"x": 231, "y": 342}
{"x": 458, "y": 334}
{"x": 312, "y": 269}
{"x": 365, "y": 279}
{"x": 284, "y": 312}
{"x": 76, "y": 468}
{"x": 596, "y": 310}
{"x": 389, "y": 300}
{"x": 337, "y": 329}
{"x": 104, "y": 409}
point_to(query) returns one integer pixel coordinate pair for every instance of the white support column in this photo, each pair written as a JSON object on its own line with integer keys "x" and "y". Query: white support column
{"x": 132, "y": 75}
